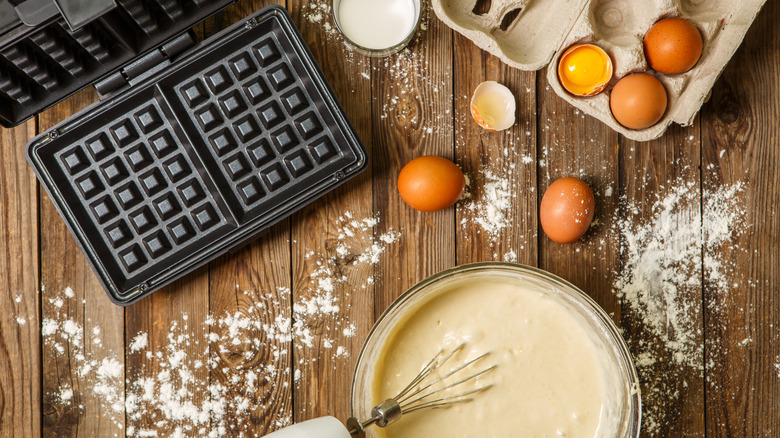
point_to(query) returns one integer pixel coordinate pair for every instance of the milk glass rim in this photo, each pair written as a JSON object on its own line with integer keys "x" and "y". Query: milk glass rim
{"x": 378, "y": 53}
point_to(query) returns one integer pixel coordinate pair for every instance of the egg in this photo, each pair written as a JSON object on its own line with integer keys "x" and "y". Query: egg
{"x": 431, "y": 183}
{"x": 584, "y": 69}
{"x": 673, "y": 46}
{"x": 638, "y": 101}
{"x": 567, "y": 210}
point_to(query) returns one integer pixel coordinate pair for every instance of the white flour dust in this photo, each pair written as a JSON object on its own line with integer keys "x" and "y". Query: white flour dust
{"x": 661, "y": 279}
{"x": 243, "y": 361}
{"x": 491, "y": 208}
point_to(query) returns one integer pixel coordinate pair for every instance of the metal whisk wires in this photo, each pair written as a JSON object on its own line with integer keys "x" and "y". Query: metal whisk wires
{"x": 426, "y": 391}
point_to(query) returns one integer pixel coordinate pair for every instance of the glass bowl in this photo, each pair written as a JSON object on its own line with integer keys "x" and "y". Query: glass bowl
{"x": 604, "y": 329}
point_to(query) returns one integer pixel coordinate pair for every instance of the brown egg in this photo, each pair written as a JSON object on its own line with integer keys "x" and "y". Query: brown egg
{"x": 431, "y": 183}
{"x": 638, "y": 101}
{"x": 673, "y": 46}
{"x": 567, "y": 210}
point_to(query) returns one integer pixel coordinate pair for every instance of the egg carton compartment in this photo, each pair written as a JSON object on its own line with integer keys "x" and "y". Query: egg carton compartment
{"x": 528, "y": 34}
{"x": 42, "y": 65}
{"x": 523, "y": 33}
{"x": 198, "y": 159}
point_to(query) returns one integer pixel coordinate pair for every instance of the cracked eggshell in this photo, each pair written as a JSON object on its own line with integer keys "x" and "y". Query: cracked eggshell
{"x": 493, "y": 106}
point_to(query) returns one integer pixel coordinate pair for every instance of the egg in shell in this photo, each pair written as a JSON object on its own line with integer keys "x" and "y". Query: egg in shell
{"x": 567, "y": 209}
{"x": 493, "y": 106}
{"x": 673, "y": 46}
{"x": 431, "y": 183}
{"x": 638, "y": 101}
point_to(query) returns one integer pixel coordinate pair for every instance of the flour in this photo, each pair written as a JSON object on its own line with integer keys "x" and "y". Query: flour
{"x": 207, "y": 394}
{"x": 660, "y": 281}
{"x": 490, "y": 204}
{"x": 511, "y": 256}
{"x": 139, "y": 342}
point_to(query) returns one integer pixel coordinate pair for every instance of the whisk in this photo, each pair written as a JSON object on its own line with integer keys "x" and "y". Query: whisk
{"x": 428, "y": 390}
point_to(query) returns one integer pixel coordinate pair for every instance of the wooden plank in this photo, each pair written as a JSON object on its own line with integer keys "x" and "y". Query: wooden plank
{"x": 325, "y": 376}
{"x": 741, "y": 143}
{"x": 412, "y": 107}
{"x": 173, "y": 322}
{"x": 87, "y": 413}
{"x": 671, "y": 375}
{"x": 572, "y": 144}
{"x": 20, "y": 360}
{"x": 172, "y": 319}
{"x": 253, "y": 283}
{"x": 509, "y": 157}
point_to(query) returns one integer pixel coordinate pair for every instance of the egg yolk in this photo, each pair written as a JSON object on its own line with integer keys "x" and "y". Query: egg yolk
{"x": 584, "y": 70}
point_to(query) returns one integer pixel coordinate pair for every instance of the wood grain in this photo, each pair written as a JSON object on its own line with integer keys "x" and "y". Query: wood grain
{"x": 404, "y": 106}
{"x": 253, "y": 282}
{"x": 573, "y": 144}
{"x": 20, "y": 360}
{"x": 178, "y": 309}
{"x": 672, "y": 393}
{"x": 324, "y": 382}
{"x": 510, "y": 155}
{"x": 412, "y": 103}
{"x": 63, "y": 265}
{"x": 741, "y": 143}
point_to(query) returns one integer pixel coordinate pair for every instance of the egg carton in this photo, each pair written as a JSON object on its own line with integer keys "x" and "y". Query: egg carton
{"x": 529, "y": 34}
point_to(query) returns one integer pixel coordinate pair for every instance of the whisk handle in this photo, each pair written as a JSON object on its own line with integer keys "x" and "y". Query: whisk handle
{"x": 322, "y": 427}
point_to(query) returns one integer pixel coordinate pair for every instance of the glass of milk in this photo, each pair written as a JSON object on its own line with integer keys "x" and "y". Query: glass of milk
{"x": 377, "y": 27}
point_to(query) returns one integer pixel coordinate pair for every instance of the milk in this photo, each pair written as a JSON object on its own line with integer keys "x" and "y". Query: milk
{"x": 376, "y": 24}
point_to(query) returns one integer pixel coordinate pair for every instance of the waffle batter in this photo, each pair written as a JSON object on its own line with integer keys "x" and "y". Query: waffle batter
{"x": 554, "y": 378}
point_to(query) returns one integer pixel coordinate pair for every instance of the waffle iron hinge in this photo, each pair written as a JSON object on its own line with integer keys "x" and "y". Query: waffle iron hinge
{"x": 143, "y": 67}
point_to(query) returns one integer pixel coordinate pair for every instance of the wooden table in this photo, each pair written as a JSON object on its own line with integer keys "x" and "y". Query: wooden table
{"x": 401, "y": 116}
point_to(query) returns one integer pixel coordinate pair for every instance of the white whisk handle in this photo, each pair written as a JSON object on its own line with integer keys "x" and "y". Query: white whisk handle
{"x": 322, "y": 427}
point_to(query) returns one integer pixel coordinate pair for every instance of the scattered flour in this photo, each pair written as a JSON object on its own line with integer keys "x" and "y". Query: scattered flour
{"x": 490, "y": 204}
{"x": 660, "y": 282}
{"x": 216, "y": 392}
{"x": 139, "y": 342}
{"x": 511, "y": 256}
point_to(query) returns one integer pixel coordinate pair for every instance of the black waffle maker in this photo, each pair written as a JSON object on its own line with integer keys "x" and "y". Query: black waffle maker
{"x": 194, "y": 149}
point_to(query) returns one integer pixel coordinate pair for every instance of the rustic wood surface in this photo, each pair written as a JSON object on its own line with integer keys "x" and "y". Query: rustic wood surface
{"x": 412, "y": 104}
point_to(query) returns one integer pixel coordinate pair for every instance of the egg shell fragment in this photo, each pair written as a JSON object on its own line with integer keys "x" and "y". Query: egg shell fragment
{"x": 493, "y": 106}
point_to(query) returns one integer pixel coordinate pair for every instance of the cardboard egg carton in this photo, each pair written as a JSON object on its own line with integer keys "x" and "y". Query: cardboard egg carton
{"x": 529, "y": 34}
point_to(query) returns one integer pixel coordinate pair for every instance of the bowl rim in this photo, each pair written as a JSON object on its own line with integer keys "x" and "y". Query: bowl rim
{"x": 612, "y": 331}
